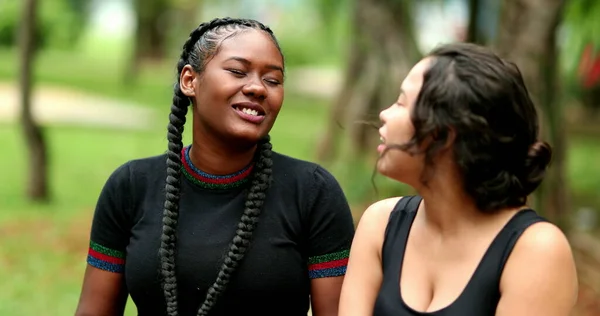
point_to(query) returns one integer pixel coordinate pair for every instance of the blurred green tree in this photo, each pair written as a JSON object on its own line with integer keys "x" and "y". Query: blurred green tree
{"x": 381, "y": 50}
{"x": 60, "y": 23}
{"x": 582, "y": 41}
{"x": 528, "y": 37}
{"x": 155, "y": 22}
{"x": 149, "y": 41}
{"x": 474, "y": 33}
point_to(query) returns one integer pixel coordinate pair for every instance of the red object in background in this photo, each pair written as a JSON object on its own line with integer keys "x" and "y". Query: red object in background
{"x": 589, "y": 67}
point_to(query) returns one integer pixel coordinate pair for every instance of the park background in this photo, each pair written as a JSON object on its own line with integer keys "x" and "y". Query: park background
{"x": 86, "y": 85}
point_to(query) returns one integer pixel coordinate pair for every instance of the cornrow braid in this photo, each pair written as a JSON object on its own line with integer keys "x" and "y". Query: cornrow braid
{"x": 255, "y": 200}
{"x": 201, "y": 45}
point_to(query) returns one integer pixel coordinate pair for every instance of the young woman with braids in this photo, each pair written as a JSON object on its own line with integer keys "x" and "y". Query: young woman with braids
{"x": 227, "y": 226}
{"x": 464, "y": 134}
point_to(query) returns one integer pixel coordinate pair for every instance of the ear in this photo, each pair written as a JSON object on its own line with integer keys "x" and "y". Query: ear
{"x": 450, "y": 139}
{"x": 449, "y": 133}
{"x": 187, "y": 81}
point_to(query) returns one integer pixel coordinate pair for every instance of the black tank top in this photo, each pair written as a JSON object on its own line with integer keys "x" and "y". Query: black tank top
{"x": 481, "y": 295}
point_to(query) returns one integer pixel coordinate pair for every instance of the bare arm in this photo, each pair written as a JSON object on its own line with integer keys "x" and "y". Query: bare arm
{"x": 540, "y": 276}
{"x": 364, "y": 273}
{"x": 325, "y": 295}
{"x": 103, "y": 293}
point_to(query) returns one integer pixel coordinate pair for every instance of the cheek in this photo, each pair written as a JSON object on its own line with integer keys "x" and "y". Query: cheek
{"x": 217, "y": 86}
{"x": 275, "y": 100}
{"x": 401, "y": 129}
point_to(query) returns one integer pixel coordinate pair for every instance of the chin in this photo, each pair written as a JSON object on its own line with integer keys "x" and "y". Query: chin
{"x": 382, "y": 169}
{"x": 396, "y": 173}
{"x": 384, "y": 172}
{"x": 248, "y": 136}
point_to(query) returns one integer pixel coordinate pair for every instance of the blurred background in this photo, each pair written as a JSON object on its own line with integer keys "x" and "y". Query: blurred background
{"x": 86, "y": 85}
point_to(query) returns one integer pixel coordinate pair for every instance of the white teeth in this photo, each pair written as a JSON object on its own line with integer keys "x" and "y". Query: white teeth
{"x": 249, "y": 111}
{"x": 382, "y": 139}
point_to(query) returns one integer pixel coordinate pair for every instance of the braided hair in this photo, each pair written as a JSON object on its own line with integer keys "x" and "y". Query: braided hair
{"x": 203, "y": 44}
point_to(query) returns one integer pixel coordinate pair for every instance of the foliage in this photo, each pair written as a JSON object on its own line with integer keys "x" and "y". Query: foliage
{"x": 42, "y": 254}
{"x": 581, "y": 27}
{"x": 308, "y": 38}
{"x": 60, "y": 23}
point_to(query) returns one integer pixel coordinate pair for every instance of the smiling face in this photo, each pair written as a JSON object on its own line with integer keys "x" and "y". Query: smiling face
{"x": 238, "y": 95}
{"x": 397, "y": 129}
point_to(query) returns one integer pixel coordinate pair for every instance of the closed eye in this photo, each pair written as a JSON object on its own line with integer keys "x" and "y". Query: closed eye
{"x": 273, "y": 82}
{"x": 236, "y": 72}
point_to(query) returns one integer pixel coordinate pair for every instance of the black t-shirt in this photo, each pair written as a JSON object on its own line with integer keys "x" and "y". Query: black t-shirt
{"x": 304, "y": 231}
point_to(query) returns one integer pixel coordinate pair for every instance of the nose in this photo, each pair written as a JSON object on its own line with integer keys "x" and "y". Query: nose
{"x": 382, "y": 115}
{"x": 255, "y": 88}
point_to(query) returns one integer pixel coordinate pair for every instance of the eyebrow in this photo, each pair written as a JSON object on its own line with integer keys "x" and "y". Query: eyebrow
{"x": 247, "y": 62}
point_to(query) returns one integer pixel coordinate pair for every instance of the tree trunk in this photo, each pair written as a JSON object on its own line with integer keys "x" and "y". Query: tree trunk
{"x": 528, "y": 37}
{"x": 37, "y": 186}
{"x": 188, "y": 13}
{"x": 382, "y": 51}
{"x": 473, "y": 33}
{"x": 150, "y": 39}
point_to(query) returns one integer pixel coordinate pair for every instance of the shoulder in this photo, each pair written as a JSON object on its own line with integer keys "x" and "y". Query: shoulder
{"x": 286, "y": 167}
{"x": 147, "y": 164}
{"x": 540, "y": 253}
{"x": 142, "y": 165}
{"x": 370, "y": 232}
{"x": 375, "y": 218}
{"x": 285, "y": 163}
{"x": 152, "y": 166}
{"x": 540, "y": 277}
{"x": 545, "y": 235}
{"x": 137, "y": 171}
{"x": 541, "y": 242}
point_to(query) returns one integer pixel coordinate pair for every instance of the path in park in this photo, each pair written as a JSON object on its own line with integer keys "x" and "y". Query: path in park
{"x": 53, "y": 104}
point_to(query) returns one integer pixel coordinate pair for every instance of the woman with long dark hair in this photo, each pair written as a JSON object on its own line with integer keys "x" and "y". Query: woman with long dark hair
{"x": 227, "y": 226}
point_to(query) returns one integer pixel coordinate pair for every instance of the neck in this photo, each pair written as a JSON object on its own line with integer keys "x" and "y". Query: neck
{"x": 446, "y": 207}
{"x": 214, "y": 157}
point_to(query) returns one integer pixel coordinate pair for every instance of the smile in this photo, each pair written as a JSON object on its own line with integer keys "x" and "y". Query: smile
{"x": 250, "y": 112}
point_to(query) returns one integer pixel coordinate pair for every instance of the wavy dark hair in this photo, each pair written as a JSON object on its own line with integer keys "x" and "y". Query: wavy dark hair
{"x": 482, "y": 99}
{"x": 200, "y": 47}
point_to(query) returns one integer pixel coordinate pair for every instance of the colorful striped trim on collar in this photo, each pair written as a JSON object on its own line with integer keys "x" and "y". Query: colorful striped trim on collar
{"x": 209, "y": 181}
{"x": 329, "y": 265}
{"x": 105, "y": 258}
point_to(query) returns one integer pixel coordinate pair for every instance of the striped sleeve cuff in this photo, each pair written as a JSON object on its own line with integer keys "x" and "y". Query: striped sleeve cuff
{"x": 105, "y": 258}
{"x": 329, "y": 265}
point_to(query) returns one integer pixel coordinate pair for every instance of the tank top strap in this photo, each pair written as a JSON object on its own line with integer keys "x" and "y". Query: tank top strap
{"x": 397, "y": 229}
{"x": 492, "y": 264}
{"x": 513, "y": 230}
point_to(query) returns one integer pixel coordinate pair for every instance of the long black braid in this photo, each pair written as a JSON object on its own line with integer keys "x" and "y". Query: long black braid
{"x": 197, "y": 50}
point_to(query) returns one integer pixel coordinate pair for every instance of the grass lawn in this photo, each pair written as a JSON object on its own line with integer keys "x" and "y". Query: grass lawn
{"x": 43, "y": 247}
